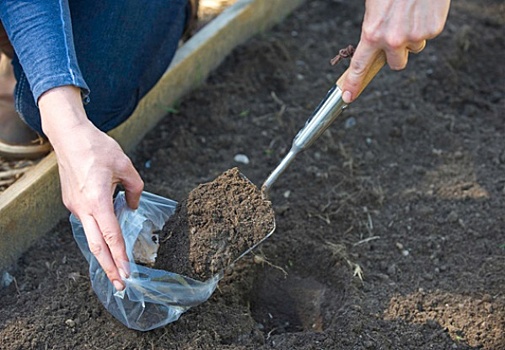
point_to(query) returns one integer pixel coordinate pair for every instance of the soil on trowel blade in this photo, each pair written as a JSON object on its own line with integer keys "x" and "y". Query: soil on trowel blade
{"x": 211, "y": 228}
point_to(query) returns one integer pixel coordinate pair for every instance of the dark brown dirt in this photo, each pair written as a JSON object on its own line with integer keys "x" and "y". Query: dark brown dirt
{"x": 210, "y": 229}
{"x": 390, "y": 229}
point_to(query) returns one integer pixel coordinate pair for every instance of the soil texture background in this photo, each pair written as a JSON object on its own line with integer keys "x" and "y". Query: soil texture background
{"x": 390, "y": 228}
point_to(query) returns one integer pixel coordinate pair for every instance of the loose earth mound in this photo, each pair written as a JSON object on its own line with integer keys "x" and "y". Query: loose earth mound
{"x": 389, "y": 229}
{"x": 218, "y": 222}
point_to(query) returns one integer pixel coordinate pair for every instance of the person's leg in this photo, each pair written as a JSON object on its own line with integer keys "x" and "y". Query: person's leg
{"x": 9, "y": 120}
{"x": 16, "y": 138}
{"x": 123, "y": 49}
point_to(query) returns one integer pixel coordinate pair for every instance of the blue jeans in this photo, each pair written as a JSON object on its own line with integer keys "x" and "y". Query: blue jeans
{"x": 115, "y": 51}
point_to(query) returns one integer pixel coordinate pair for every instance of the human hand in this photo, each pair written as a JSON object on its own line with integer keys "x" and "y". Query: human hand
{"x": 396, "y": 27}
{"x": 90, "y": 164}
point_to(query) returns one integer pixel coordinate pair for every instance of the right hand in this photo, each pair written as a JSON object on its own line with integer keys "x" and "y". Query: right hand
{"x": 396, "y": 27}
{"x": 90, "y": 164}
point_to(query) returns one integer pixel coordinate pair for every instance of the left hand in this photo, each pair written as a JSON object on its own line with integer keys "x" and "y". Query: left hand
{"x": 90, "y": 164}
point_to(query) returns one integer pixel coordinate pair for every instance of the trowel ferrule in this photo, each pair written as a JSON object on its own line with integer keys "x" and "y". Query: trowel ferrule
{"x": 322, "y": 117}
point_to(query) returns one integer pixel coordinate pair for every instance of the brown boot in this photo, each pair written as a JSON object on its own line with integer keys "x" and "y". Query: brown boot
{"x": 17, "y": 140}
{"x": 191, "y": 25}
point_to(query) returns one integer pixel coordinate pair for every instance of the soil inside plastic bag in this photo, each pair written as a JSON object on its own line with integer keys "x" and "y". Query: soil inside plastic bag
{"x": 212, "y": 227}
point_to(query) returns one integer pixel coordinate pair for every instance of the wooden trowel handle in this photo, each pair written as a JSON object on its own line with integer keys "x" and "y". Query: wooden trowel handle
{"x": 376, "y": 66}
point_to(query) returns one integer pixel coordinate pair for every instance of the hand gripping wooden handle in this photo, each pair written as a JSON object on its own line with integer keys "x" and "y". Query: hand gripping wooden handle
{"x": 376, "y": 66}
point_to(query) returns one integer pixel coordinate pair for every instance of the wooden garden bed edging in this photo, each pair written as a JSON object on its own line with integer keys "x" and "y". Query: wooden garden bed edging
{"x": 32, "y": 205}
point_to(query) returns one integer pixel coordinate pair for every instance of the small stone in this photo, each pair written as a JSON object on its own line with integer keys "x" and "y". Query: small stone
{"x": 70, "y": 323}
{"x": 241, "y": 158}
{"x": 6, "y": 279}
{"x": 286, "y": 194}
{"x": 436, "y": 151}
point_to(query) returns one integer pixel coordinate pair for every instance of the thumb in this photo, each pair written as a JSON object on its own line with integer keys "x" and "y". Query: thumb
{"x": 353, "y": 80}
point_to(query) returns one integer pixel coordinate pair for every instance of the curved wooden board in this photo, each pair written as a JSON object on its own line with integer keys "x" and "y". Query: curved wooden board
{"x": 32, "y": 206}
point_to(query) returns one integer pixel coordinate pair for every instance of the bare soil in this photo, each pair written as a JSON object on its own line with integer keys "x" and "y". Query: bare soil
{"x": 390, "y": 229}
{"x": 212, "y": 227}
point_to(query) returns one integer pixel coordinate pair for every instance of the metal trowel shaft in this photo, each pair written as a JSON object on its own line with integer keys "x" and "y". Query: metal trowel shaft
{"x": 327, "y": 111}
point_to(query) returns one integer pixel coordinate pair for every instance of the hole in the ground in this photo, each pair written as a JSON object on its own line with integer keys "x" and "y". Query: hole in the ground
{"x": 307, "y": 295}
{"x": 288, "y": 303}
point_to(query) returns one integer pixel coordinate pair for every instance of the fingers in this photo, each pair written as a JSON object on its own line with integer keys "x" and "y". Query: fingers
{"x": 105, "y": 238}
{"x": 106, "y": 244}
{"x": 397, "y": 59}
{"x": 111, "y": 232}
{"x": 364, "y": 57}
{"x": 103, "y": 231}
{"x": 416, "y": 47}
{"x": 133, "y": 185}
{"x": 360, "y": 64}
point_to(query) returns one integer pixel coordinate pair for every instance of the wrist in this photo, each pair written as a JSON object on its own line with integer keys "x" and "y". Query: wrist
{"x": 61, "y": 110}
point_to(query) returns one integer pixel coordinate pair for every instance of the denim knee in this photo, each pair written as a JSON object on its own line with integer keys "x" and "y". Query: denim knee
{"x": 123, "y": 49}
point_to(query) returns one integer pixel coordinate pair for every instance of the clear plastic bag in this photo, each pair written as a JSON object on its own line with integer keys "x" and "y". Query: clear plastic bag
{"x": 152, "y": 298}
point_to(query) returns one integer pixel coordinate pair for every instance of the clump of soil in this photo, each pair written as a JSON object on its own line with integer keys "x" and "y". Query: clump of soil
{"x": 390, "y": 228}
{"x": 216, "y": 223}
